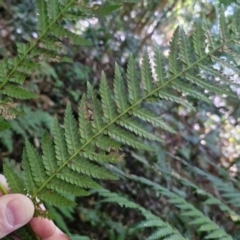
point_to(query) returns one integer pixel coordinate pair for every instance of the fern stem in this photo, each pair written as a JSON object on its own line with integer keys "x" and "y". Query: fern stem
{"x": 3, "y": 190}
{"x": 34, "y": 44}
{"x": 125, "y": 112}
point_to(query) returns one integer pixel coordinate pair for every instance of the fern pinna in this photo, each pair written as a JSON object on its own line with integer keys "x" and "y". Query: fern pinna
{"x": 75, "y": 156}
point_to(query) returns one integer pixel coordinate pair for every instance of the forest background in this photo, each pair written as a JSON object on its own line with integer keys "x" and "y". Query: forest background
{"x": 206, "y": 149}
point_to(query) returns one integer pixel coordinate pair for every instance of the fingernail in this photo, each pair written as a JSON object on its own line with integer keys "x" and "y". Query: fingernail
{"x": 17, "y": 211}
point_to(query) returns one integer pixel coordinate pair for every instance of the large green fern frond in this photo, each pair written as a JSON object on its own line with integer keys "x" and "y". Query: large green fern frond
{"x": 73, "y": 159}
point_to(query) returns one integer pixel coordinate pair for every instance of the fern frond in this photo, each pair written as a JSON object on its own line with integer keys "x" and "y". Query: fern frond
{"x": 49, "y": 159}
{"x": 85, "y": 167}
{"x": 210, "y": 41}
{"x": 24, "y": 234}
{"x": 41, "y": 16}
{"x": 67, "y": 188}
{"x": 224, "y": 62}
{"x": 56, "y": 199}
{"x": 235, "y": 22}
{"x": 44, "y": 47}
{"x": 174, "y": 63}
{"x": 61, "y": 151}
{"x": 148, "y": 85}
{"x": 188, "y": 89}
{"x": 227, "y": 191}
{"x": 207, "y": 86}
{"x": 170, "y": 96}
{"x": 4, "y": 125}
{"x": 127, "y": 138}
{"x": 77, "y": 237}
{"x": 211, "y": 200}
{"x": 77, "y": 179}
{"x": 29, "y": 182}
{"x": 216, "y": 74}
{"x": 185, "y": 49}
{"x": 3, "y": 69}
{"x": 61, "y": 32}
{"x": 85, "y": 126}
{"x": 108, "y": 104}
{"x": 16, "y": 92}
{"x": 159, "y": 62}
{"x": 188, "y": 210}
{"x": 163, "y": 233}
{"x": 119, "y": 89}
{"x": 220, "y": 185}
{"x": 133, "y": 84}
{"x": 71, "y": 131}
{"x": 53, "y": 9}
{"x": 150, "y": 223}
{"x": 96, "y": 107}
{"x": 222, "y": 25}
{"x": 106, "y": 143}
{"x": 13, "y": 180}
{"x": 138, "y": 129}
{"x": 164, "y": 229}
{"x": 102, "y": 157}
{"x": 198, "y": 39}
{"x": 105, "y": 125}
{"x": 36, "y": 164}
{"x": 148, "y": 116}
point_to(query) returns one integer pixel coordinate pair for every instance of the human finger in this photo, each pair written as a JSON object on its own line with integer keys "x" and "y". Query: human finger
{"x": 46, "y": 229}
{"x": 16, "y": 210}
{"x": 58, "y": 235}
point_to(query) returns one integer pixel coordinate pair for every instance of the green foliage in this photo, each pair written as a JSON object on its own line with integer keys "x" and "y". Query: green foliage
{"x": 4, "y": 125}
{"x": 71, "y": 161}
{"x": 163, "y": 228}
{"x": 26, "y": 125}
{"x": 188, "y": 211}
{"x": 195, "y": 216}
{"x": 47, "y": 46}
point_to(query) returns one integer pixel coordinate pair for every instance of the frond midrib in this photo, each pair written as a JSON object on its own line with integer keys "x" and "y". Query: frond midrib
{"x": 34, "y": 195}
{"x": 35, "y": 43}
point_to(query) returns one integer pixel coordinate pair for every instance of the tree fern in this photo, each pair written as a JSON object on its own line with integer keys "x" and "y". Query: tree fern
{"x": 72, "y": 160}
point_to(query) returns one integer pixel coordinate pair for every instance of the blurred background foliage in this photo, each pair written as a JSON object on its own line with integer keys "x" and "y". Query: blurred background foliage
{"x": 207, "y": 140}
